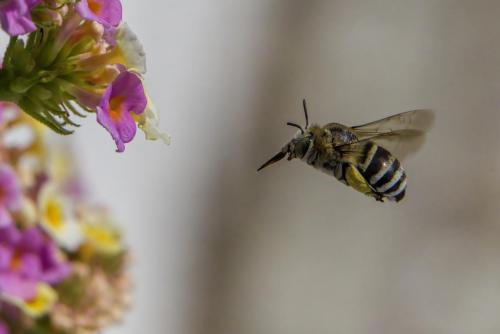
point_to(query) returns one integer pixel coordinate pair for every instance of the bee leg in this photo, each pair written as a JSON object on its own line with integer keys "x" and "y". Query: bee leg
{"x": 379, "y": 198}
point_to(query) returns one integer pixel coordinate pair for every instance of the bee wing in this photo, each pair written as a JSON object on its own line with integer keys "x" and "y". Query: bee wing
{"x": 420, "y": 120}
{"x": 354, "y": 153}
{"x": 402, "y": 134}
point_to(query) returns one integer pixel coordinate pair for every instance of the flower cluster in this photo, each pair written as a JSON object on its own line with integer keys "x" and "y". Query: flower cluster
{"x": 67, "y": 58}
{"x": 62, "y": 261}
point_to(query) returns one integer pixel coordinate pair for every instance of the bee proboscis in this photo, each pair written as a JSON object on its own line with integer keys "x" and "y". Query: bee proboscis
{"x": 365, "y": 157}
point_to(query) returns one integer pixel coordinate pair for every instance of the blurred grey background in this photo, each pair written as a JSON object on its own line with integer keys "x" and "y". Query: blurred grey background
{"x": 222, "y": 249}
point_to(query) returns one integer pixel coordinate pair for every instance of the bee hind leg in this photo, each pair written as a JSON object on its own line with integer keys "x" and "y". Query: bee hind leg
{"x": 355, "y": 179}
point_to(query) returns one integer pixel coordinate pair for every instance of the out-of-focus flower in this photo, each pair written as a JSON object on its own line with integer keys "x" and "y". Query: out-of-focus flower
{"x": 15, "y": 16}
{"x": 59, "y": 166}
{"x": 40, "y": 304}
{"x": 121, "y": 100}
{"x": 29, "y": 262}
{"x": 8, "y": 112}
{"x": 26, "y": 135}
{"x": 14, "y": 287}
{"x": 101, "y": 235}
{"x": 102, "y": 238}
{"x": 102, "y": 301}
{"x": 58, "y": 219}
{"x": 10, "y": 194}
{"x": 32, "y": 255}
{"x": 27, "y": 215}
{"x": 3, "y": 328}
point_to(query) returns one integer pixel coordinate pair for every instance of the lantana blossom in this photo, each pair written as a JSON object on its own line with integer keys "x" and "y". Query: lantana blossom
{"x": 70, "y": 62}
{"x": 129, "y": 49}
{"x": 123, "y": 100}
{"x": 63, "y": 264}
{"x": 10, "y": 194}
{"x": 126, "y": 51}
{"x": 39, "y": 305}
{"x": 13, "y": 286}
{"x": 57, "y": 218}
{"x": 106, "y": 12}
{"x": 101, "y": 234}
{"x": 15, "y": 16}
{"x": 3, "y": 328}
{"x": 31, "y": 254}
{"x": 149, "y": 123}
{"x": 29, "y": 263}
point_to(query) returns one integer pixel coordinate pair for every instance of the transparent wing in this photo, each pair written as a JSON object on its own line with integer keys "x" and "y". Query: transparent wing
{"x": 354, "y": 153}
{"x": 402, "y": 134}
{"x": 421, "y": 120}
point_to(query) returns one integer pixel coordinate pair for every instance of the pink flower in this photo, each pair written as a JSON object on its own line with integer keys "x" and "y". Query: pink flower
{"x": 29, "y": 261}
{"x": 28, "y": 257}
{"x": 123, "y": 98}
{"x": 16, "y": 286}
{"x": 106, "y": 12}
{"x": 15, "y": 16}
{"x": 10, "y": 194}
{"x": 3, "y": 328}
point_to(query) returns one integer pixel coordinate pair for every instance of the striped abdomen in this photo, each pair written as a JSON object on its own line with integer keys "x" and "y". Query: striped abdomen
{"x": 383, "y": 172}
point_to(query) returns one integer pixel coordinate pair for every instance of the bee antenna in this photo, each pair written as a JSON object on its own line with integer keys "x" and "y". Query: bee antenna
{"x": 304, "y": 104}
{"x": 295, "y": 126}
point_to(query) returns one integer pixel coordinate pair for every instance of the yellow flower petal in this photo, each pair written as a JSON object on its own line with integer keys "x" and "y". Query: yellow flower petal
{"x": 40, "y": 305}
{"x": 57, "y": 218}
{"x": 103, "y": 238}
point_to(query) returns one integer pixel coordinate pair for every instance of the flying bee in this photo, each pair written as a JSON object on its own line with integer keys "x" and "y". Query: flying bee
{"x": 364, "y": 157}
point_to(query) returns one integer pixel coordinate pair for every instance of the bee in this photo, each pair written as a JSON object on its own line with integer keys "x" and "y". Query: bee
{"x": 364, "y": 157}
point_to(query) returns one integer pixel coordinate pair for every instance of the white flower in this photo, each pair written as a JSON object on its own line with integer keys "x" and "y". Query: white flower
{"x": 131, "y": 49}
{"x": 100, "y": 232}
{"x": 149, "y": 122}
{"x": 58, "y": 220}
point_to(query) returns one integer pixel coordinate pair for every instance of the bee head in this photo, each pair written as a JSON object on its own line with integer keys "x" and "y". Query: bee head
{"x": 295, "y": 148}
{"x": 298, "y": 146}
